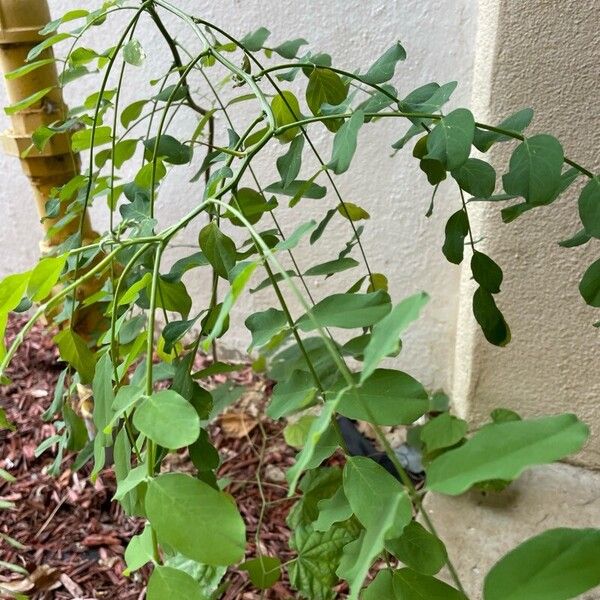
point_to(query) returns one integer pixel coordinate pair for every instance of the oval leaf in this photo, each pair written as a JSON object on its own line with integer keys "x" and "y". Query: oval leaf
{"x": 195, "y": 519}
{"x": 505, "y": 450}
{"x": 168, "y": 419}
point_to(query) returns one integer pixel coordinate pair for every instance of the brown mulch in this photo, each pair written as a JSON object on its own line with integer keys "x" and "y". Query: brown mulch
{"x": 74, "y": 536}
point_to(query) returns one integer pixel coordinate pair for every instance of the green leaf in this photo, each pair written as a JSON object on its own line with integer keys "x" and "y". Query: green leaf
{"x": 535, "y": 169}
{"x": 203, "y": 454}
{"x": 505, "y": 450}
{"x": 504, "y": 415}
{"x": 325, "y": 87}
{"x": 457, "y": 229}
{"x": 166, "y": 582}
{"x": 195, "y": 519}
{"x": 299, "y": 187}
{"x": 383, "y": 68}
{"x": 133, "y": 53}
{"x": 13, "y": 109}
{"x": 28, "y": 68}
{"x": 333, "y": 510}
{"x": 132, "y": 112}
{"x": 290, "y": 48}
{"x": 589, "y": 207}
{"x": 418, "y": 549}
{"x": 45, "y": 44}
{"x": 173, "y": 296}
{"x": 71, "y": 15}
{"x": 381, "y": 505}
{"x": 135, "y": 477}
{"x": 331, "y": 266}
{"x": 449, "y": 143}
{"x": 516, "y": 123}
{"x": 169, "y": 149}
{"x": 296, "y": 432}
{"x": 208, "y": 577}
{"x": 74, "y": 350}
{"x": 387, "y": 397}
{"x": 580, "y": 238}
{"x": 254, "y": 41}
{"x": 313, "y": 572}
{"x": 239, "y": 275}
{"x": 344, "y": 143}
{"x": 286, "y": 110}
{"x": 476, "y": 177}
{"x": 296, "y": 393}
{"x": 486, "y": 272}
{"x": 368, "y": 488}
{"x": 490, "y": 319}
{"x": 173, "y": 93}
{"x": 174, "y": 331}
{"x": 318, "y": 431}
{"x": 352, "y": 212}
{"x": 4, "y": 422}
{"x": 403, "y": 584}
{"x": 347, "y": 311}
{"x": 385, "y": 338}
{"x": 44, "y": 277}
{"x": 442, "y": 432}
{"x": 558, "y": 564}
{"x": 139, "y": 551}
{"x": 168, "y": 419}
{"x": 82, "y": 140}
{"x": 264, "y": 571}
{"x": 589, "y": 286}
{"x": 218, "y": 249}
{"x": 288, "y": 165}
{"x": 264, "y": 325}
{"x": 251, "y": 204}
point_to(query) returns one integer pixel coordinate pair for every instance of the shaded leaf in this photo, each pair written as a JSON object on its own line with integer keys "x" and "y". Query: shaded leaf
{"x": 589, "y": 207}
{"x": 264, "y": 571}
{"x": 347, "y": 311}
{"x": 490, "y": 319}
{"x": 418, "y": 549}
{"x": 383, "y": 68}
{"x": 385, "y": 338}
{"x": 457, "y": 229}
{"x": 486, "y": 272}
{"x": 535, "y": 169}
{"x": 450, "y": 141}
{"x": 344, "y": 143}
{"x": 218, "y": 249}
{"x": 387, "y": 397}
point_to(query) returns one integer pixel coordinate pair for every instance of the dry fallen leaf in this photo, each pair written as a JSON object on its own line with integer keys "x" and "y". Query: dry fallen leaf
{"x": 43, "y": 578}
{"x": 237, "y": 424}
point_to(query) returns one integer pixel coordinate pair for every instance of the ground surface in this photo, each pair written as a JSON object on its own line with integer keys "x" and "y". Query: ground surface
{"x": 73, "y": 535}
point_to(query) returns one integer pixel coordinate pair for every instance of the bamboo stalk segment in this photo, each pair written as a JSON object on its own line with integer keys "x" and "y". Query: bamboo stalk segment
{"x": 20, "y": 23}
{"x": 56, "y": 164}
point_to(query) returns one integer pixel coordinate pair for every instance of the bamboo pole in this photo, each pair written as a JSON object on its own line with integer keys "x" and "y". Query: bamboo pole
{"x": 56, "y": 164}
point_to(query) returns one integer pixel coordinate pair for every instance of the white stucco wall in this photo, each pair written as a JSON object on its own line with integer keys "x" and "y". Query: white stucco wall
{"x": 439, "y": 37}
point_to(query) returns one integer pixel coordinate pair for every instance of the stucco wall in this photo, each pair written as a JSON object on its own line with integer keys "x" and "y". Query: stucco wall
{"x": 546, "y": 55}
{"x": 439, "y": 37}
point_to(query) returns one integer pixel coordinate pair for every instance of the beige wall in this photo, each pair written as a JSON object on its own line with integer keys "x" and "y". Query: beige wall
{"x": 545, "y": 54}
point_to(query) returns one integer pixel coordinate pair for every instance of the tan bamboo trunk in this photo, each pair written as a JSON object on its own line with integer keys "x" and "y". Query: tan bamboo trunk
{"x": 56, "y": 164}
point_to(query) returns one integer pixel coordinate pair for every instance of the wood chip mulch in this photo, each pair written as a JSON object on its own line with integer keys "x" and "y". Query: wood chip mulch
{"x": 74, "y": 537}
